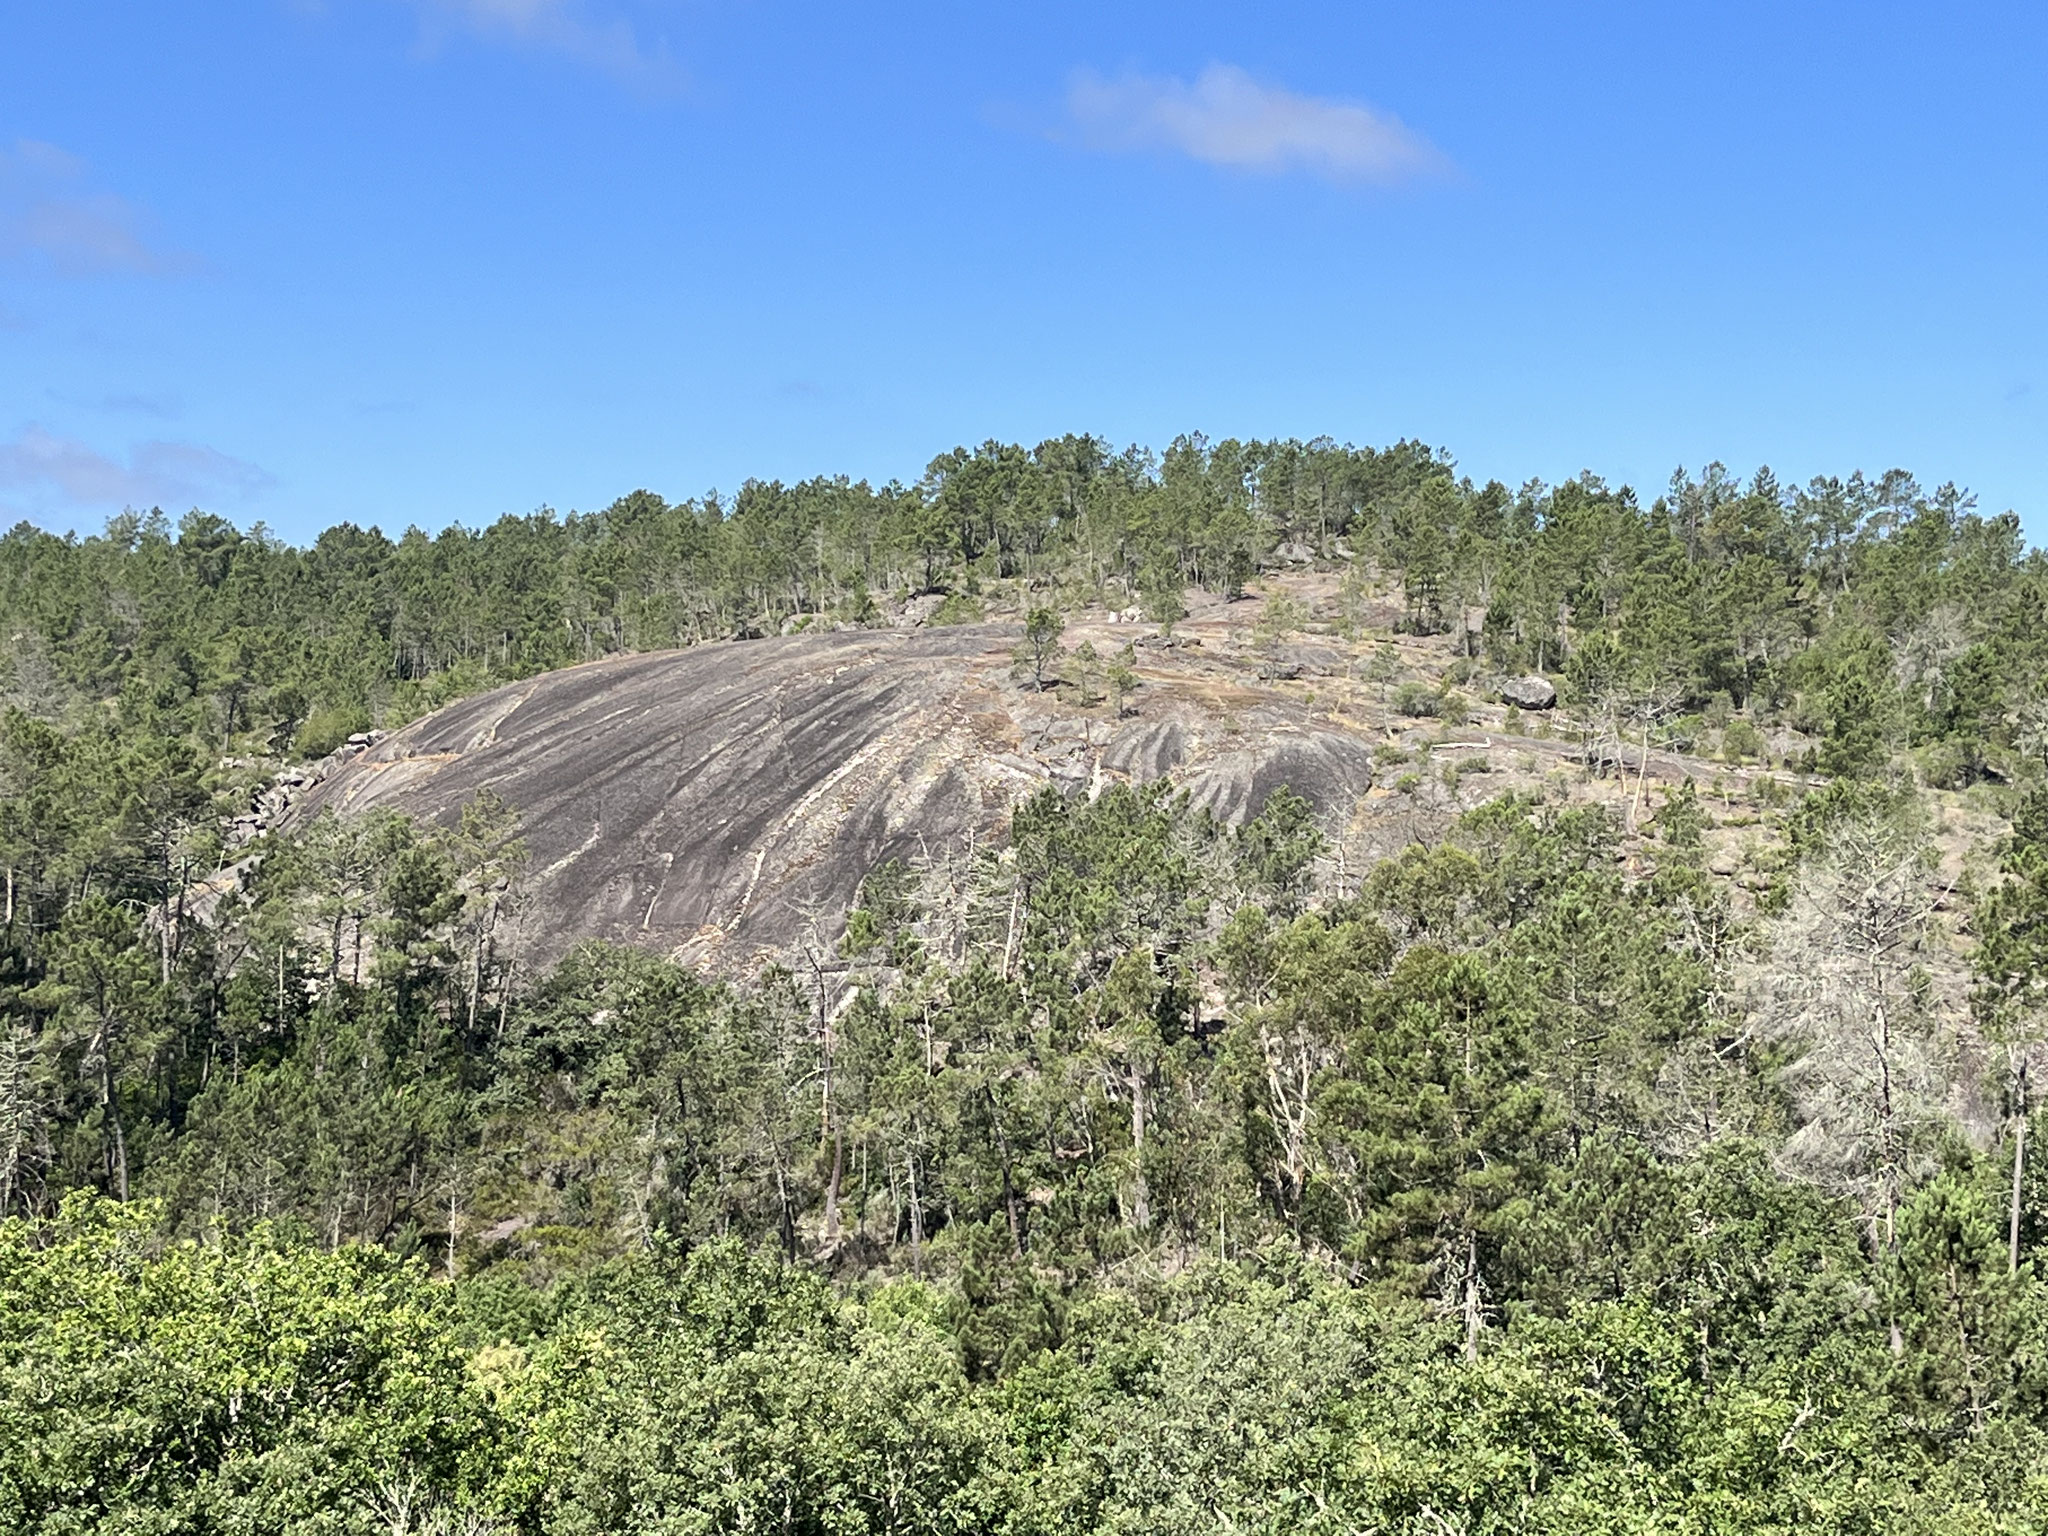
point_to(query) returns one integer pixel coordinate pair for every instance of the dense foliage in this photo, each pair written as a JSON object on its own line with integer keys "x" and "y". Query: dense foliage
{"x": 1139, "y": 1174}
{"x": 1874, "y": 612}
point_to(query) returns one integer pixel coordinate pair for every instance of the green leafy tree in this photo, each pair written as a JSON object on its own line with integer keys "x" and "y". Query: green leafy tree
{"x": 1123, "y": 681}
{"x": 1040, "y": 651}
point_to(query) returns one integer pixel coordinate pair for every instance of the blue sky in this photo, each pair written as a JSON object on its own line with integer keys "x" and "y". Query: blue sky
{"x": 425, "y": 261}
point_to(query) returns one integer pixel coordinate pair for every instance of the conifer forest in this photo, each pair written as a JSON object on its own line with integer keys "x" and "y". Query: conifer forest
{"x": 1621, "y": 1117}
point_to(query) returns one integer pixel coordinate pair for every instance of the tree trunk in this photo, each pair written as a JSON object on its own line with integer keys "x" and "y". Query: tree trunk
{"x": 916, "y": 1218}
{"x": 1887, "y": 1146}
{"x": 1010, "y": 1208}
{"x": 178, "y": 918}
{"x": 828, "y": 1131}
{"x": 113, "y": 1108}
{"x": 1642, "y": 776}
{"x": 1141, "y": 1194}
{"x": 829, "y": 1237}
{"x": 2019, "y": 1170}
{"x": 787, "y": 1218}
{"x": 14, "y": 1111}
{"x": 1955, "y": 1297}
{"x": 1010, "y": 937}
{"x": 1471, "y": 1295}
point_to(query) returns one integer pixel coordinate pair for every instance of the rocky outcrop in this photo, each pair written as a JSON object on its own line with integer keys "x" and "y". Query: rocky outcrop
{"x": 273, "y": 802}
{"x": 725, "y": 802}
{"x": 1328, "y": 768}
{"x": 918, "y": 611}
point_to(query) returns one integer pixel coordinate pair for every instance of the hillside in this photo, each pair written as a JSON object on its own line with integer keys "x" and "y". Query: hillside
{"x": 1396, "y": 969}
{"x": 726, "y": 800}
{"x": 722, "y": 804}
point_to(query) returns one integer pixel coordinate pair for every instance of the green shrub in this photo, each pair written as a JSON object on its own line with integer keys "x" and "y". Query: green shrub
{"x": 1741, "y": 742}
{"x": 238, "y": 1384}
{"x": 327, "y": 728}
{"x": 859, "y": 607}
{"x": 1947, "y": 764}
{"x": 1417, "y": 701}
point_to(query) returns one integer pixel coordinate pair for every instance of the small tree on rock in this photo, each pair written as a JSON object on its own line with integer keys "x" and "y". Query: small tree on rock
{"x": 1041, "y": 650}
{"x": 1123, "y": 680}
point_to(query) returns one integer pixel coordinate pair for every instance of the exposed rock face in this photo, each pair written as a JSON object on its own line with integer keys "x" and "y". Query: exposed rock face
{"x": 1329, "y": 768}
{"x": 918, "y": 610}
{"x": 1527, "y": 692}
{"x": 725, "y": 802}
{"x": 1144, "y": 750}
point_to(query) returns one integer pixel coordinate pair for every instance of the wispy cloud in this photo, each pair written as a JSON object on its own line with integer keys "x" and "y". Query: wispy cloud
{"x": 121, "y": 402}
{"x": 565, "y": 27}
{"x": 64, "y": 473}
{"x": 140, "y": 404}
{"x": 1226, "y": 117}
{"x": 51, "y": 217}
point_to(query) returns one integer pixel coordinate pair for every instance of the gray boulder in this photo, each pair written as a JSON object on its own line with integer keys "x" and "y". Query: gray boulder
{"x": 1527, "y": 692}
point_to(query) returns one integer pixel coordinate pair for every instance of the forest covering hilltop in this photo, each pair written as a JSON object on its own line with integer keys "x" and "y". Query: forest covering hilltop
{"x": 1717, "y": 587}
{"x": 1617, "y": 1118}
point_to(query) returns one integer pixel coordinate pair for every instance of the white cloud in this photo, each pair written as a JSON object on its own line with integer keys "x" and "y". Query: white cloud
{"x": 73, "y": 475}
{"x": 558, "y": 26}
{"x": 1225, "y": 117}
{"x": 51, "y": 219}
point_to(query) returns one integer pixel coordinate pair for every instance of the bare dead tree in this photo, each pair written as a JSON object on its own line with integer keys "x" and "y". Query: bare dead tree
{"x": 1649, "y": 709}
{"x": 1839, "y": 984}
{"x": 21, "y": 1109}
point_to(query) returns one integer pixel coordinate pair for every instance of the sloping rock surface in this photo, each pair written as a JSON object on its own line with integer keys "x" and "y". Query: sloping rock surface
{"x": 724, "y": 803}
